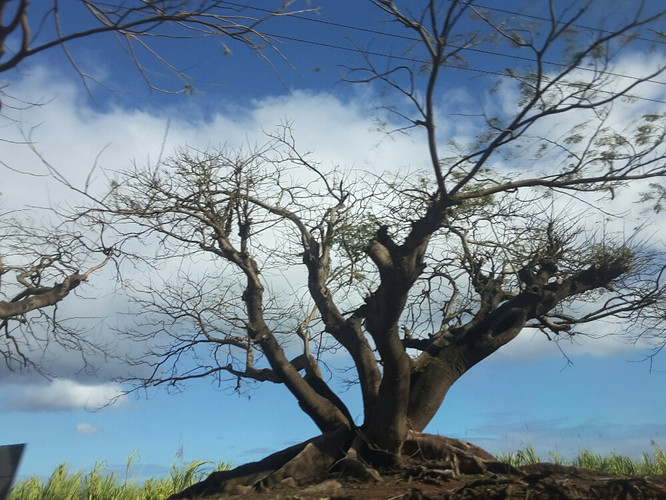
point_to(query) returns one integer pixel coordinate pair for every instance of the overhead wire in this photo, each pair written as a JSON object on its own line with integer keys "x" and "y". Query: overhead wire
{"x": 460, "y": 68}
{"x": 540, "y": 18}
{"x": 469, "y": 49}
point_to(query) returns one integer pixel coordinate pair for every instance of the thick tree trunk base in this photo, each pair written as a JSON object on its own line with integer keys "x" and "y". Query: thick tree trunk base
{"x": 345, "y": 453}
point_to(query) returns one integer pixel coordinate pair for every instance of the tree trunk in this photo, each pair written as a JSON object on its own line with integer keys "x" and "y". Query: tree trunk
{"x": 386, "y": 422}
{"x": 435, "y": 372}
{"x": 430, "y": 384}
{"x": 341, "y": 453}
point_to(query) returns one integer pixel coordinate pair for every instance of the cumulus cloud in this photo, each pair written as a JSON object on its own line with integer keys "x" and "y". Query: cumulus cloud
{"x": 86, "y": 429}
{"x": 73, "y": 135}
{"x": 61, "y": 395}
{"x": 532, "y": 344}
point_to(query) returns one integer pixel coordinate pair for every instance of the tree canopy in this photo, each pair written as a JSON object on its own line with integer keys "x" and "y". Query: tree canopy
{"x": 414, "y": 277}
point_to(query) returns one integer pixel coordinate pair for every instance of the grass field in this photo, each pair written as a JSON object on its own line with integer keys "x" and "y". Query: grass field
{"x": 99, "y": 485}
{"x": 647, "y": 465}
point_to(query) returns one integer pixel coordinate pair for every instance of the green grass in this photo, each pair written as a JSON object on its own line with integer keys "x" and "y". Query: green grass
{"x": 99, "y": 485}
{"x": 647, "y": 465}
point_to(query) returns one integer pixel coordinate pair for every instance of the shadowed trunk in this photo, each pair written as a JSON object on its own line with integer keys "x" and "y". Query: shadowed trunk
{"x": 433, "y": 376}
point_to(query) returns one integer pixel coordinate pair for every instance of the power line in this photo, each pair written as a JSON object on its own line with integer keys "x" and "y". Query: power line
{"x": 469, "y": 68}
{"x": 468, "y": 2}
{"x": 469, "y": 49}
{"x": 540, "y": 18}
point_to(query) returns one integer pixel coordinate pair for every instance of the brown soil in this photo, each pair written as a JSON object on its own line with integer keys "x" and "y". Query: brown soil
{"x": 539, "y": 481}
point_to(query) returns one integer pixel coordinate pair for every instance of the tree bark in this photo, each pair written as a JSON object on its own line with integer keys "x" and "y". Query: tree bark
{"x": 346, "y": 331}
{"x": 39, "y": 297}
{"x": 433, "y": 375}
{"x": 386, "y": 422}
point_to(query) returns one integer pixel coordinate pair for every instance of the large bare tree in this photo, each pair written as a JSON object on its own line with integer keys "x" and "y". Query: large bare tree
{"x": 416, "y": 277}
{"x": 37, "y": 270}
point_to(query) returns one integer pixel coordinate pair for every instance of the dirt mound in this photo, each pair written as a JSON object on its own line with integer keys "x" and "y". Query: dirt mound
{"x": 540, "y": 481}
{"x": 340, "y": 465}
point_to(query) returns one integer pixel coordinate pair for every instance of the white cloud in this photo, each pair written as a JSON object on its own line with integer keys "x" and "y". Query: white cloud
{"x": 86, "y": 429}
{"x": 600, "y": 339}
{"x": 61, "y": 395}
{"x": 73, "y": 135}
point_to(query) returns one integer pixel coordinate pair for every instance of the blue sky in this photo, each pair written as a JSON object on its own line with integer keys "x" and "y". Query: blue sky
{"x": 526, "y": 394}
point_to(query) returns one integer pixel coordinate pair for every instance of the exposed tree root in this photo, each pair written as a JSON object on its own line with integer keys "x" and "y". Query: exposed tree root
{"x": 345, "y": 453}
{"x": 551, "y": 481}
